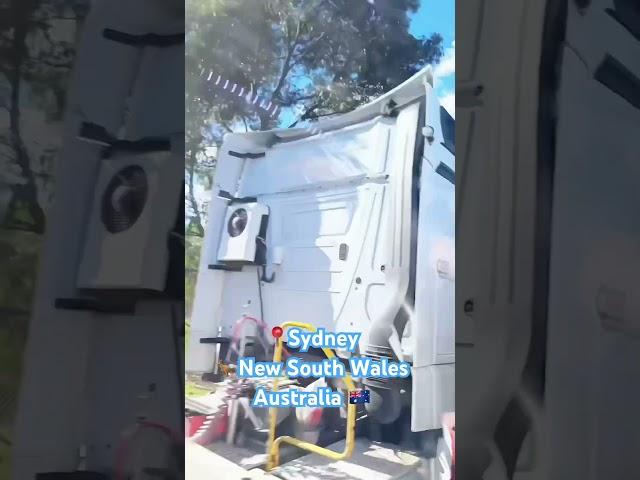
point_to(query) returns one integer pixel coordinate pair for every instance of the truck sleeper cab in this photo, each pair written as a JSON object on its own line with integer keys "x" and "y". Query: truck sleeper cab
{"x": 348, "y": 226}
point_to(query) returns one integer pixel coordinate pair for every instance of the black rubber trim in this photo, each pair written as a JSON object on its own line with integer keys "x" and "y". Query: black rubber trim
{"x": 448, "y": 126}
{"x": 225, "y": 268}
{"x": 627, "y": 14}
{"x": 80, "y": 475}
{"x": 215, "y": 340}
{"x": 225, "y": 195}
{"x": 144, "y": 40}
{"x": 95, "y": 133}
{"x": 92, "y": 305}
{"x": 246, "y": 155}
{"x": 236, "y": 200}
{"x": 619, "y": 79}
{"x": 449, "y": 148}
{"x": 90, "y": 132}
{"x": 446, "y": 172}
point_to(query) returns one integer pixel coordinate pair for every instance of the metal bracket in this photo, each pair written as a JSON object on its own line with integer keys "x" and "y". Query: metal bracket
{"x": 225, "y": 268}
{"x": 90, "y": 132}
{"x": 246, "y": 155}
{"x": 235, "y": 200}
{"x": 93, "y": 305}
{"x": 144, "y": 40}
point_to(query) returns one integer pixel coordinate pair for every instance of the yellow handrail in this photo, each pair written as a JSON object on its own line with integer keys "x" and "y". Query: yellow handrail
{"x": 273, "y": 445}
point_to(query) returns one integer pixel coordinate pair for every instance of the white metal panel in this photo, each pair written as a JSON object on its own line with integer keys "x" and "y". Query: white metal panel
{"x": 149, "y": 117}
{"x": 143, "y": 347}
{"x": 496, "y": 160}
{"x": 593, "y": 348}
{"x": 386, "y": 227}
{"x": 434, "y": 331}
{"x": 311, "y": 282}
{"x": 433, "y": 319}
{"x": 346, "y": 187}
{"x": 433, "y": 394}
{"x": 349, "y": 154}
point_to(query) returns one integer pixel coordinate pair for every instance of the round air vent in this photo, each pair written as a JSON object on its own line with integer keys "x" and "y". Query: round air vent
{"x": 237, "y": 222}
{"x": 124, "y": 199}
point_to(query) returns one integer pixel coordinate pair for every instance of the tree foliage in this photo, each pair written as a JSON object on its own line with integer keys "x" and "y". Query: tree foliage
{"x": 37, "y": 46}
{"x": 36, "y": 51}
{"x": 312, "y": 56}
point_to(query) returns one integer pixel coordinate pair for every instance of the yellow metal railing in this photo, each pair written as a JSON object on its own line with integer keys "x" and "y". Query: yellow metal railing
{"x": 273, "y": 445}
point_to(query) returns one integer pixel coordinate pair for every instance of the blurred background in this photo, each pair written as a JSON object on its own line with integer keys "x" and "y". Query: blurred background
{"x": 37, "y": 47}
{"x": 307, "y": 58}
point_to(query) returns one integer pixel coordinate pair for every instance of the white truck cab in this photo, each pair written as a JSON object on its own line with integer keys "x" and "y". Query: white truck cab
{"x": 349, "y": 226}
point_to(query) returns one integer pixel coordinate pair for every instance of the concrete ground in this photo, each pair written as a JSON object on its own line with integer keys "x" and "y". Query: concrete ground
{"x": 370, "y": 461}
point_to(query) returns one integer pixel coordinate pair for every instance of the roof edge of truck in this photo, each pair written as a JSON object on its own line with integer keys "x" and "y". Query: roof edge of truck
{"x": 405, "y": 93}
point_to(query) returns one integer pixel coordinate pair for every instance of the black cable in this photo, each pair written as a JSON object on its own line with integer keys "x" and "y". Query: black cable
{"x": 260, "y": 293}
{"x": 176, "y": 345}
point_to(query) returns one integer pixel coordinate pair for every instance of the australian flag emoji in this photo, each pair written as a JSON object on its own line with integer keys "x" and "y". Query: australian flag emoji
{"x": 359, "y": 396}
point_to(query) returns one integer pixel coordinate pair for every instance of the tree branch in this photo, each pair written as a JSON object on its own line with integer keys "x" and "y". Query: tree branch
{"x": 50, "y": 63}
{"x": 287, "y": 65}
{"x": 286, "y": 68}
{"x": 192, "y": 196}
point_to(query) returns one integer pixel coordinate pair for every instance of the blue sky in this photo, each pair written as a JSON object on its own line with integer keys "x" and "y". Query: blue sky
{"x": 440, "y": 16}
{"x": 433, "y": 16}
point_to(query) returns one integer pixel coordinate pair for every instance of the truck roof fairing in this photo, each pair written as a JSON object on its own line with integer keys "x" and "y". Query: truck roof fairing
{"x": 401, "y": 95}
